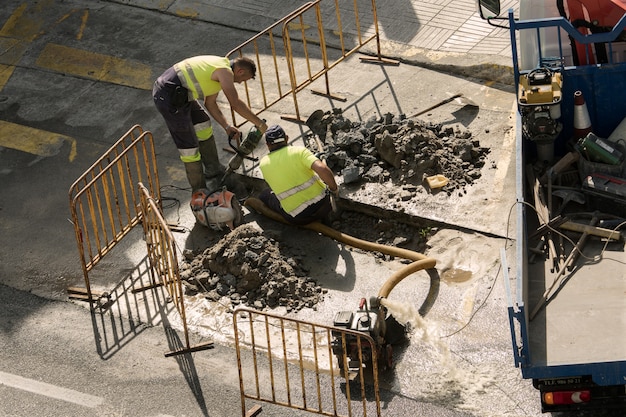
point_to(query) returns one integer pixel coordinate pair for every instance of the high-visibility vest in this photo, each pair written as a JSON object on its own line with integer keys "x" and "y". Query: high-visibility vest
{"x": 195, "y": 75}
{"x": 288, "y": 173}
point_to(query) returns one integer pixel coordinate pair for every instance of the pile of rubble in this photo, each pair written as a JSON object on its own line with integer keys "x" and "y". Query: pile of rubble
{"x": 250, "y": 269}
{"x": 398, "y": 149}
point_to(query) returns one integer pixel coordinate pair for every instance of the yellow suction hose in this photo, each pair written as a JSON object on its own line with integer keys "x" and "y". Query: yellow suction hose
{"x": 421, "y": 261}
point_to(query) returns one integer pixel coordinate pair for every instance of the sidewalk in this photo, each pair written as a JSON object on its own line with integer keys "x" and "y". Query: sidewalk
{"x": 444, "y": 35}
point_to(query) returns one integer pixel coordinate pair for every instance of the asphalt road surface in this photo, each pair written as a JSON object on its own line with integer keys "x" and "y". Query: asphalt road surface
{"x": 74, "y": 77}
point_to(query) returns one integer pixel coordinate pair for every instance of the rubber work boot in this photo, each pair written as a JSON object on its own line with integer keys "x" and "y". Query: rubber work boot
{"x": 210, "y": 159}
{"x": 195, "y": 175}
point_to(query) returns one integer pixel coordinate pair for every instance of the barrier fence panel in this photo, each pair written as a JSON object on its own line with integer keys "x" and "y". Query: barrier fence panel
{"x": 294, "y": 52}
{"x": 104, "y": 201}
{"x": 163, "y": 258}
{"x": 325, "y": 370}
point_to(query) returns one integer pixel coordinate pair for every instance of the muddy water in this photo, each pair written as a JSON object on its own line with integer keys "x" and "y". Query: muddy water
{"x": 431, "y": 371}
{"x": 456, "y": 275}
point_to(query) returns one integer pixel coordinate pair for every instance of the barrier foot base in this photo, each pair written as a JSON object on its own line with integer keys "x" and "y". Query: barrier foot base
{"x": 101, "y": 299}
{"x": 196, "y": 348}
{"x": 292, "y": 118}
{"x": 254, "y": 411}
{"x": 379, "y": 60}
{"x": 145, "y": 288}
{"x": 334, "y": 97}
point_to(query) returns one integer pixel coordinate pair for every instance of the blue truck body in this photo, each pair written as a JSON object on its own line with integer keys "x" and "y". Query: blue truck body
{"x": 569, "y": 328}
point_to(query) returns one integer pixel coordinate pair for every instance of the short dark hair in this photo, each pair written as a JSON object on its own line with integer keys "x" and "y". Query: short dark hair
{"x": 246, "y": 63}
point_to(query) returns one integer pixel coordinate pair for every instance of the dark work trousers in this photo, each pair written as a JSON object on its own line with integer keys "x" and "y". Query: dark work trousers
{"x": 317, "y": 212}
{"x": 179, "y": 113}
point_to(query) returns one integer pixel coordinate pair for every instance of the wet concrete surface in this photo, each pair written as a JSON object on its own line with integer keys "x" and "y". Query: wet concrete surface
{"x": 468, "y": 369}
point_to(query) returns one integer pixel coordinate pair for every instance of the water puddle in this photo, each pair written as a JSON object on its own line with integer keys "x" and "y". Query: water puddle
{"x": 456, "y": 275}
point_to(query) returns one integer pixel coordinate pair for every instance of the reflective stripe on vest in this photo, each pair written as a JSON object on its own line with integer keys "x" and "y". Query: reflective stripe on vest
{"x": 293, "y": 190}
{"x": 288, "y": 193}
{"x": 194, "y": 89}
{"x": 306, "y": 204}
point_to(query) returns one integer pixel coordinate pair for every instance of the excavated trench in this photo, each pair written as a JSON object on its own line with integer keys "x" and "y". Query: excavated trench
{"x": 251, "y": 267}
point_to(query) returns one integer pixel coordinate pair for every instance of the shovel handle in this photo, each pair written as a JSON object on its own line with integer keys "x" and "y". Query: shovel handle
{"x": 441, "y": 103}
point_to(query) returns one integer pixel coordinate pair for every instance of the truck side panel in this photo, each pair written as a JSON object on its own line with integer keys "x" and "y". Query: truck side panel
{"x": 571, "y": 322}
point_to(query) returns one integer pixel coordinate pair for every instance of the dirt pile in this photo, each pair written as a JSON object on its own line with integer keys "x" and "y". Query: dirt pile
{"x": 398, "y": 149}
{"x": 250, "y": 269}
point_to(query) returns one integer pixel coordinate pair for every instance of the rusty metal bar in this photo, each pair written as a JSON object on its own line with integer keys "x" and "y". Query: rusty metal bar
{"x": 163, "y": 257}
{"x": 340, "y": 27}
{"x": 346, "y": 368}
{"x": 357, "y": 22}
{"x": 361, "y": 377}
{"x": 269, "y": 357}
{"x": 285, "y": 359}
{"x": 258, "y": 393}
{"x": 332, "y": 371}
{"x": 300, "y": 361}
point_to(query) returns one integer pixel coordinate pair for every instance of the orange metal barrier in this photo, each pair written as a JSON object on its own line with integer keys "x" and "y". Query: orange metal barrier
{"x": 305, "y": 53}
{"x": 164, "y": 261}
{"x": 104, "y": 201}
{"x": 292, "y": 363}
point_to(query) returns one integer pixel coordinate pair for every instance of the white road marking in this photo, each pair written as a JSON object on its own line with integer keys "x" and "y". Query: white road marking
{"x": 49, "y": 390}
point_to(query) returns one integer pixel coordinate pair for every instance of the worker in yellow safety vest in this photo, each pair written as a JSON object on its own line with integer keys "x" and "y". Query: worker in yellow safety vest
{"x": 186, "y": 96}
{"x": 300, "y": 183}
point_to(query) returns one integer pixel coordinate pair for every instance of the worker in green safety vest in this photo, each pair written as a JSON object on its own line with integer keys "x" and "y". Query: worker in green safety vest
{"x": 186, "y": 96}
{"x": 300, "y": 183}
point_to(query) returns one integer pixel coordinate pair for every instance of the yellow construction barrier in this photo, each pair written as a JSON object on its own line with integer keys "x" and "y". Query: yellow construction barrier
{"x": 104, "y": 201}
{"x": 304, "y": 366}
{"x": 163, "y": 258}
{"x": 294, "y": 52}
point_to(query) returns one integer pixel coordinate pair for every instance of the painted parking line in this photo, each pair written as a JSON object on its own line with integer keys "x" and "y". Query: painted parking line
{"x": 22, "y": 26}
{"x": 37, "y": 142}
{"x": 49, "y": 390}
{"x": 95, "y": 66}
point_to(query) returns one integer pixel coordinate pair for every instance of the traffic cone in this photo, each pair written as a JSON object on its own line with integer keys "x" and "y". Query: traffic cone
{"x": 582, "y": 121}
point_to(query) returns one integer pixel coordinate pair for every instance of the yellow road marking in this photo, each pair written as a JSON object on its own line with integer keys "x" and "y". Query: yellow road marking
{"x": 21, "y": 25}
{"x": 5, "y": 74}
{"x": 95, "y": 66}
{"x": 187, "y": 12}
{"x": 83, "y": 25}
{"x": 34, "y": 141}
